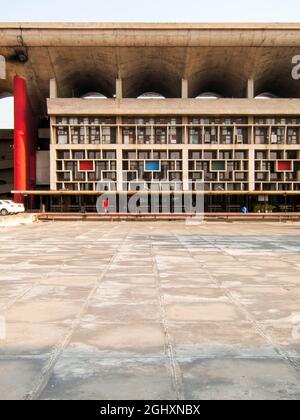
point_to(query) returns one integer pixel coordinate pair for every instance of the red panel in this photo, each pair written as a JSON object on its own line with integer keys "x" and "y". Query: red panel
{"x": 284, "y": 165}
{"x": 86, "y": 165}
{"x": 21, "y": 152}
{"x": 25, "y": 135}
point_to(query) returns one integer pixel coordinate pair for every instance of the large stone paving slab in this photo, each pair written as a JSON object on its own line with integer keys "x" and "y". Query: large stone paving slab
{"x": 150, "y": 310}
{"x": 108, "y": 378}
{"x": 239, "y": 379}
{"x": 17, "y": 376}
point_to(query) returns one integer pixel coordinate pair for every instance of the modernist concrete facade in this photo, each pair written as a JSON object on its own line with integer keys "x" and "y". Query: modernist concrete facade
{"x": 244, "y": 145}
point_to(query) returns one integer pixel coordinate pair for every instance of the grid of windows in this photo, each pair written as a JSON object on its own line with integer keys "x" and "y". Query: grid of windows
{"x": 151, "y": 166}
{"x": 277, "y": 170}
{"x": 82, "y": 169}
{"x": 225, "y": 153}
{"x": 74, "y": 130}
{"x": 219, "y": 170}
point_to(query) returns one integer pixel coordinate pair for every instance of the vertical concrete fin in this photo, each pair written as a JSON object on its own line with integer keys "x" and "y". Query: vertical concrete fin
{"x": 53, "y": 89}
{"x": 119, "y": 89}
{"x": 2, "y": 67}
{"x": 250, "y": 89}
{"x": 184, "y": 89}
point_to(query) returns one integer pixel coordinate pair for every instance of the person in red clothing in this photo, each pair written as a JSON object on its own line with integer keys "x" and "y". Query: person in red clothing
{"x": 106, "y": 205}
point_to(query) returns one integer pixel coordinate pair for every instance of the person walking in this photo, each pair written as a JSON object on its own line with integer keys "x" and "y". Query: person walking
{"x": 106, "y": 205}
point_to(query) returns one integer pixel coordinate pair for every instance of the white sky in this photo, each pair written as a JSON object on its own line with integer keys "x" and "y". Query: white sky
{"x": 6, "y": 113}
{"x": 151, "y": 10}
{"x": 143, "y": 11}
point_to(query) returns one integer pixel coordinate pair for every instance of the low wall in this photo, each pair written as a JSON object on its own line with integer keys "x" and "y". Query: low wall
{"x": 277, "y": 217}
{"x": 19, "y": 219}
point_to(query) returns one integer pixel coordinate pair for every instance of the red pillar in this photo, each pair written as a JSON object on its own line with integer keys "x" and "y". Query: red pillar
{"x": 24, "y": 140}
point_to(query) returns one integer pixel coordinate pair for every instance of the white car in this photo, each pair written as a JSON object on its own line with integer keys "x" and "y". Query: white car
{"x": 10, "y": 207}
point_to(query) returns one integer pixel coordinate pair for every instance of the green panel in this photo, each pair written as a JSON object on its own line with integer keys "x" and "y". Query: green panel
{"x": 218, "y": 166}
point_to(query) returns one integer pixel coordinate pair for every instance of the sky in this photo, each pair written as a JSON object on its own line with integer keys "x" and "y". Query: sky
{"x": 142, "y": 11}
{"x": 150, "y": 10}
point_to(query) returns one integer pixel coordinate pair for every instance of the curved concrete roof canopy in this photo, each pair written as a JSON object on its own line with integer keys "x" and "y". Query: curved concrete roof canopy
{"x": 150, "y": 57}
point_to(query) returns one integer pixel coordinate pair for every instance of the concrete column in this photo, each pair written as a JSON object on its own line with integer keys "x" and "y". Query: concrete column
{"x": 25, "y": 136}
{"x": 119, "y": 169}
{"x": 185, "y": 168}
{"x": 119, "y": 89}
{"x": 52, "y": 167}
{"x": 185, "y": 135}
{"x": 251, "y": 168}
{"x": 53, "y": 89}
{"x": 184, "y": 89}
{"x": 21, "y": 147}
{"x": 250, "y": 89}
{"x": 119, "y": 130}
{"x": 2, "y": 67}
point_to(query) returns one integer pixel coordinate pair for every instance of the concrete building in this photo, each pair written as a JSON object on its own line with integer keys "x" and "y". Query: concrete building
{"x": 133, "y": 103}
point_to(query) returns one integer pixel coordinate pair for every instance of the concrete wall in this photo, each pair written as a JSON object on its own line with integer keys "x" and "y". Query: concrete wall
{"x": 42, "y": 168}
{"x": 92, "y": 107}
{"x": 6, "y": 162}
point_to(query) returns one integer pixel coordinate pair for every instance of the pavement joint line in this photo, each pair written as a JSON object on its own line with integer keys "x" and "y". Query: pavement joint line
{"x": 176, "y": 374}
{"x": 245, "y": 312}
{"x": 44, "y": 377}
{"x": 149, "y": 357}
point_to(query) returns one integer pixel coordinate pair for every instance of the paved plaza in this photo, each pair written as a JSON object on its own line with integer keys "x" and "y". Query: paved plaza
{"x": 150, "y": 310}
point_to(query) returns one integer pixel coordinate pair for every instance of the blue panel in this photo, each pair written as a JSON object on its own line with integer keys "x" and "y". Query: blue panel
{"x": 152, "y": 165}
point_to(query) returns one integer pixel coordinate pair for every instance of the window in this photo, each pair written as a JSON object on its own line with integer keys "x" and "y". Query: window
{"x": 152, "y": 165}
{"x": 79, "y": 155}
{"x": 86, "y": 165}
{"x": 218, "y": 165}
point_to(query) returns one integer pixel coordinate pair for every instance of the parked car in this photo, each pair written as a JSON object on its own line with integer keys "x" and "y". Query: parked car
{"x": 10, "y": 207}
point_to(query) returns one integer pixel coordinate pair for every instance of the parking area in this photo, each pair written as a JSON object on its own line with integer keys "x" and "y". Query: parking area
{"x": 150, "y": 310}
